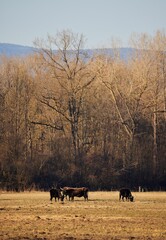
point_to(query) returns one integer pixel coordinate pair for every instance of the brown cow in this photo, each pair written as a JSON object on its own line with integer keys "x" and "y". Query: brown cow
{"x": 75, "y": 192}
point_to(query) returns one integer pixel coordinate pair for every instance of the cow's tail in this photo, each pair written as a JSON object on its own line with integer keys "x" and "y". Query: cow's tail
{"x": 87, "y": 195}
{"x": 119, "y": 196}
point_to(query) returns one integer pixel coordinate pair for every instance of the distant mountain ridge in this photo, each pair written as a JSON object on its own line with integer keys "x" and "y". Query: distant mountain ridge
{"x": 14, "y": 50}
{"x": 11, "y": 50}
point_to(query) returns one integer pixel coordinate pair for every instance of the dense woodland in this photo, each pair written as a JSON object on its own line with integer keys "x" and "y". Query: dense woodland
{"x": 67, "y": 118}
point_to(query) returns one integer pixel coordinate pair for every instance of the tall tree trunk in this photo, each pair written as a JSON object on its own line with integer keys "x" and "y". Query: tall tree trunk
{"x": 154, "y": 143}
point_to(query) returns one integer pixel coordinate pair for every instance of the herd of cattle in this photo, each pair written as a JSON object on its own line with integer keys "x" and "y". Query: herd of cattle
{"x": 71, "y": 192}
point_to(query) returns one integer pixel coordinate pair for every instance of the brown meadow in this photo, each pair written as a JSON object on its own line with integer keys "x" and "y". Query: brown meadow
{"x": 31, "y": 215}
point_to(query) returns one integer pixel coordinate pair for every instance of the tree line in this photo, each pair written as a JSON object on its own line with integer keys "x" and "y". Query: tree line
{"x": 67, "y": 118}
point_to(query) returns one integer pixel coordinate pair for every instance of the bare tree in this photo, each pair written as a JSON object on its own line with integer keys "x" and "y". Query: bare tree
{"x": 17, "y": 90}
{"x": 68, "y": 79}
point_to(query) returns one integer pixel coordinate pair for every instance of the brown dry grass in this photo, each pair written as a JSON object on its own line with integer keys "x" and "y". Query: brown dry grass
{"x": 32, "y": 216}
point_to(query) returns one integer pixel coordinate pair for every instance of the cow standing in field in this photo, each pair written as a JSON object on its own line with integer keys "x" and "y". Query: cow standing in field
{"x": 56, "y": 193}
{"x": 65, "y": 191}
{"x": 125, "y": 193}
{"x": 75, "y": 192}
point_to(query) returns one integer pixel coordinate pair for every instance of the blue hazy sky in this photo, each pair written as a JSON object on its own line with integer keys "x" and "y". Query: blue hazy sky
{"x": 22, "y": 21}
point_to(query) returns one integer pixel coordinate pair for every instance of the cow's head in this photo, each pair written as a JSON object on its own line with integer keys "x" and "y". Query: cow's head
{"x": 62, "y": 197}
{"x": 131, "y": 198}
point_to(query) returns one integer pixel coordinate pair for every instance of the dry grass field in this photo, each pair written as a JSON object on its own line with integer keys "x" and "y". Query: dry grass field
{"x": 31, "y": 215}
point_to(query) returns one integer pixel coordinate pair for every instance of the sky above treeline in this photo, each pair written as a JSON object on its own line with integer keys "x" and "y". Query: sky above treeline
{"x": 100, "y": 21}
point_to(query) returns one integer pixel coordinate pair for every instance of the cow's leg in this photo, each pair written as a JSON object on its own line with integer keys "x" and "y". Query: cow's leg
{"x": 64, "y": 194}
{"x": 61, "y": 198}
{"x": 85, "y": 196}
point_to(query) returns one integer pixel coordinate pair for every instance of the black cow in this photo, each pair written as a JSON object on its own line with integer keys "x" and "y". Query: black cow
{"x": 56, "y": 193}
{"x": 125, "y": 193}
{"x": 75, "y": 192}
{"x": 65, "y": 191}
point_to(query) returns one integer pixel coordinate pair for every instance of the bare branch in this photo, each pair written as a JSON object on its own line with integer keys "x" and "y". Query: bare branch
{"x": 59, "y": 128}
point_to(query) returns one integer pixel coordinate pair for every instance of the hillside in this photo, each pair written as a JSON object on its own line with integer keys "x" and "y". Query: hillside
{"x": 11, "y": 50}
{"x": 14, "y": 50}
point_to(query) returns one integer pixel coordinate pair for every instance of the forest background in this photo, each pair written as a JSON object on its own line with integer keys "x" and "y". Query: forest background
{"x": 68, "y": 118}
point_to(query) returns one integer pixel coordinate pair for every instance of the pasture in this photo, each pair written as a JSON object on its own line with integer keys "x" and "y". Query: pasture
{"x": 31, "y": 215}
